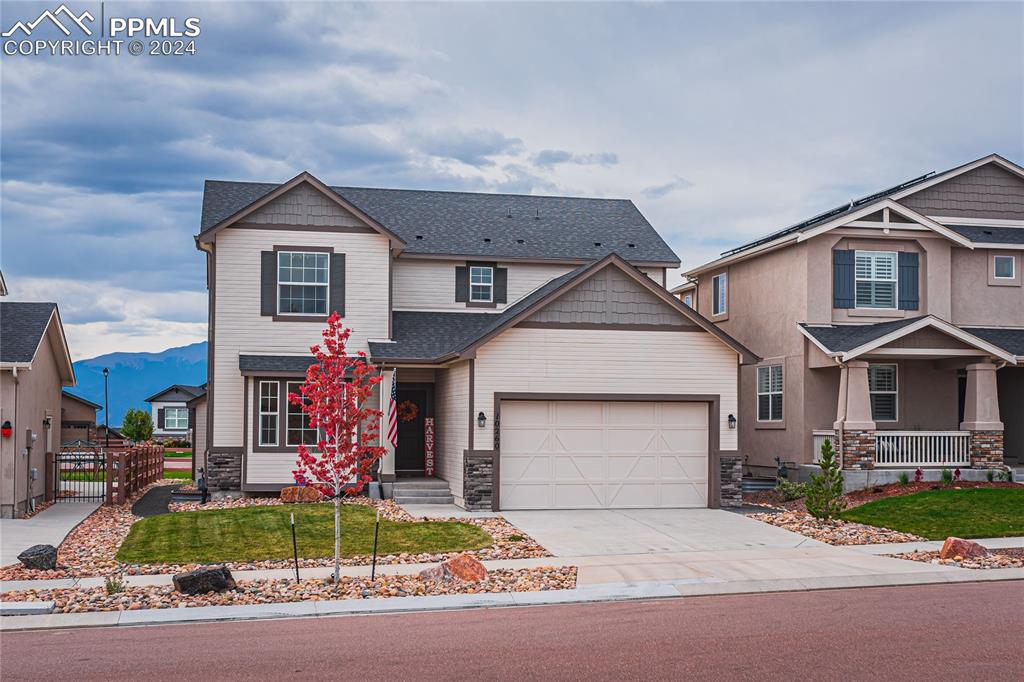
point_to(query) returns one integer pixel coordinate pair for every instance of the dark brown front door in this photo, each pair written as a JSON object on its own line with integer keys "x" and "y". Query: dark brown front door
{"x": 414, "y": 405}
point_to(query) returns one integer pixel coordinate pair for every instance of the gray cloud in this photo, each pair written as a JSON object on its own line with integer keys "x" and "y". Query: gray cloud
{"x": 472, "y": 147}
{"x": 549, "y": 158}
{"x": 659, "y": 191}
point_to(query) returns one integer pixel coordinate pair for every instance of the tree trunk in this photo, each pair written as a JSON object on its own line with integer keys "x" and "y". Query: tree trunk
{"x": 337, "y": 539}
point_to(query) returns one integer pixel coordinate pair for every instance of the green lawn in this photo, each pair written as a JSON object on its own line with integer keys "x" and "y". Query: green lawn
{"x": 938, "y": 514}
{"x": 177, "y": 454}
{"x": 255, "y": 533}
{"x": 177, "y": 473}
{"x": 82, "y": 476}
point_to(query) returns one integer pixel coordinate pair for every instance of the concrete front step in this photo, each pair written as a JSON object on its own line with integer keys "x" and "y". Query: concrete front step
{"x": 423, "y": 492}
{"x": 421, "y": 485}
{"x": 412, "y": 499}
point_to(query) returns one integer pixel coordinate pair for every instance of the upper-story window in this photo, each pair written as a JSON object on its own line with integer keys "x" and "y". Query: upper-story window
{"x": 1005, "y": 267}
{"x": 769, "y": 393}
{"x": 175, "y": 417}
{"x": 481, "y": 284}
{"x": 302, "y": 283}
{"x": 688, "y": 300}
{"x": 719, "y": 294}
{"x": 875, "y": 279}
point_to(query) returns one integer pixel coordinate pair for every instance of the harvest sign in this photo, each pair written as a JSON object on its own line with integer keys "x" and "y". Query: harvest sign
{"x": 428, "y": 446}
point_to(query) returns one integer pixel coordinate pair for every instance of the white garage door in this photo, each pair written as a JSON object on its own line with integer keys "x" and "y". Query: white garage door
{"x": 593, "y": 454}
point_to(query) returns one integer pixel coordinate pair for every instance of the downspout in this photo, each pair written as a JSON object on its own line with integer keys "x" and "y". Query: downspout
{"x": 17, "y": 425}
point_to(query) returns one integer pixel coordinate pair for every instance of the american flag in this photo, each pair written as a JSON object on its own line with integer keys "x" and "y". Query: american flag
{"x": 393, "y": 411}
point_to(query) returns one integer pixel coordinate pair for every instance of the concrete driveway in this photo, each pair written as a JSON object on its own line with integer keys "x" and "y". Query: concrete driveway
{"x": 595, "y": 532}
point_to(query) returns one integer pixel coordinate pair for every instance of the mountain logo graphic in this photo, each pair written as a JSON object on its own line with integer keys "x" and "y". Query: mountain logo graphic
{"x": 69, "y": 16}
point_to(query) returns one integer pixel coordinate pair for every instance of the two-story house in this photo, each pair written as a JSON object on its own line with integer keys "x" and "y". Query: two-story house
{"x": 171, "y": 413}
{"x": 540, "y": 361}
{"x": 893, "y": 324}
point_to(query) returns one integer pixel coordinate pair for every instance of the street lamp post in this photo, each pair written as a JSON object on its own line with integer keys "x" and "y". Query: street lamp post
{"x": 106, "y": 408}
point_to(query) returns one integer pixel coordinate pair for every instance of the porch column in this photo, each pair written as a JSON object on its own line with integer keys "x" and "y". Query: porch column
{"x": 981, "y": 416}
{"x": 857, "y": 443}
{"x": 387, "y": 462}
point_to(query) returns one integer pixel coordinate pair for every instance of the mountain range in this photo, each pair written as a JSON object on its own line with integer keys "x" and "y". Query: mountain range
{"x": 136, "y": 376}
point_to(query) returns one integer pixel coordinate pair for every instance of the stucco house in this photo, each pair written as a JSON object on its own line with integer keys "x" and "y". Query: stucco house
{"x": 77, "y": 418}
{"x": 540, "y": 361}
{"x": 893, "y": 324}
{"x": 171, "y": 412}
{"x": 34, "y": 367}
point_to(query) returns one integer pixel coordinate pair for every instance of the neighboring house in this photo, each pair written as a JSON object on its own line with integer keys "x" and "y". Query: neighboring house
{"x": 536, "y": 348}
{"x": 686, "y": 292}
{"x": 895, "y": 322}
{"x": 170, "y": 411}
{"x": 197, "y": 430}
{"x": 34, "y": 366}
{"x": 77, "y": 418}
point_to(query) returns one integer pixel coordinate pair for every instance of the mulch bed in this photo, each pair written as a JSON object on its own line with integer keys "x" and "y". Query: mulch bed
{"x": 770, "y": 498}
{"x": 281, "y": 591}
{"x": 90, "y": 549}
{"x": 1012, "y": 557}
{"x": 834, "y": 532}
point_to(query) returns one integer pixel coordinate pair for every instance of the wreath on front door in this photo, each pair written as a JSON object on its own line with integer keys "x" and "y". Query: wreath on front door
{"x": 407, "y": 410}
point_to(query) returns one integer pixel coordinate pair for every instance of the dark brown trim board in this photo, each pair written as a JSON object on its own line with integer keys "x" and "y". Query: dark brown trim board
{"x": 348, "y": 229}
{"x": 714, "y": 426}
{"x": 311, "y": 249}
{"x": 611, "y": 327}
{"x": 299, "y": 318}
{"x": 531, "y": 259}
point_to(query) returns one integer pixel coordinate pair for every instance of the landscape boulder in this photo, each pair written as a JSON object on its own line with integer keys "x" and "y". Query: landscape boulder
{"x": 965, "y": 549}
{"x": 300, "y": 493}
{"x": 39, "y": 557}
{"x": 462, "y": 568}
{"x": 203, "y": 580}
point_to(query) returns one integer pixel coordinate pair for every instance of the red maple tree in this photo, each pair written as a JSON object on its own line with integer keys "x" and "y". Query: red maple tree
{"x": 335, "y": 398}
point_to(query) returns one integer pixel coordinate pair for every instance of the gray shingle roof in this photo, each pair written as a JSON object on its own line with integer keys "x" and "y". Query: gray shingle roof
{"x": 274, "y": 363}
{"x": 1011, "y": 340}
{"x": 841, "y": 338}
{"x": 993, "y": 235}
{"x": 483, "y": 225}
{"x": 188, "y": 390}
{"x": 82, "y": 400}
{"x": 429, "y": 335}
{"x": 22, "y": 325}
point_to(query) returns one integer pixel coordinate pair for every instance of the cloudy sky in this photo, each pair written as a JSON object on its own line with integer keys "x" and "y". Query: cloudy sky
{"x": 720, "y": 121}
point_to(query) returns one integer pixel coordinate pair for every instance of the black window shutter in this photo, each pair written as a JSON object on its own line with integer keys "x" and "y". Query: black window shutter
{"x": 337, "y": 300}
{"x": 909, "y": 297}
{"x": 500, "y": 285}
{"x": 160, "y": 418}
{"x": 842, "y": 279}
{"x": 462, "y": 285}
{"x": 268, "y": 283}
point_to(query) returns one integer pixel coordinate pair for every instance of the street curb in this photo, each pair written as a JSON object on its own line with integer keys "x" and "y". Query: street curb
{"x": 610, "y": 592}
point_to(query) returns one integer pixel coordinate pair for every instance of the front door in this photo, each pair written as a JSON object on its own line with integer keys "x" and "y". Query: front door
{"x": 414, "y": 405}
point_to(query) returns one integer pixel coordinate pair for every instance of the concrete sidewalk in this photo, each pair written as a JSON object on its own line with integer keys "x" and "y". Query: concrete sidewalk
{"x": 48, "y": 527}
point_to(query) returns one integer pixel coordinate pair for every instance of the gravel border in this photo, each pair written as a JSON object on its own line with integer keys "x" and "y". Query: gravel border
{"x": 834, "y": 532}
{"x": 1012, "y": 557}
{"x": 80, "y": 600}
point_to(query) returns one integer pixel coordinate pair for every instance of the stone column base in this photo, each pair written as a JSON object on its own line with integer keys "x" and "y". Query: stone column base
{"x": 478, "y": 480}
{"x": 731, "y": 482}
{"x": 224, "y": 471}
{"x": 858, "y": 449}
{"x": 986, "y": 449}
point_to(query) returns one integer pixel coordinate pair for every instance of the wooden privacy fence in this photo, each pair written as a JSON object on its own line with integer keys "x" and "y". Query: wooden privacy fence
{"x": 131, "y": 469}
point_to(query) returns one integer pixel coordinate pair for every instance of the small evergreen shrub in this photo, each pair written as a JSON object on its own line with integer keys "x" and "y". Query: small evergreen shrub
{"x": 825, "y": 491}
{"x": 990, "y": 475}
{"x": 790, "y": 490}
{"x": 904, "y": 478}
{"x": 947, "y": 477}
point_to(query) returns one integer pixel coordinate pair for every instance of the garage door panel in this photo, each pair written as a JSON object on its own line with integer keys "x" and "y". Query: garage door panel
{"x": 603, "y": 454}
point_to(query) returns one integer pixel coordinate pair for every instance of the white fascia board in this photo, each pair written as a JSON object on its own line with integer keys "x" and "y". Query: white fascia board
{"x": 960, "y": 170}
{"x": 743, "y": 255}
{"x": 1000, "y": 245}
{"x": 935, "y": 323}
{"x": 892, "y": 206}
{"x": 980, "y": 222}
{"x": 827, "y": 351}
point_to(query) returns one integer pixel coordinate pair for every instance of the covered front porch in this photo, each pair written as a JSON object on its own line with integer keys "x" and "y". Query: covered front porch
{"x": 918, "y": 394}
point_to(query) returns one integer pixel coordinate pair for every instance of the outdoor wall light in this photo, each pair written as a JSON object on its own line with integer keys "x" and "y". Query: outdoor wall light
{"x": 6, "y": 430}
{"x": 481, "y": 420}
{"x": 732, "y": 421}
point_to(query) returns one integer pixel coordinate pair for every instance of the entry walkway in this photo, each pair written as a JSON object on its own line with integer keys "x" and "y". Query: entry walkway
{"x": 48, "y": 527}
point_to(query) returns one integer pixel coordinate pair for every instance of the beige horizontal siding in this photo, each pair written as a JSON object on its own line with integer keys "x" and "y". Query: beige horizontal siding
{"x": 430, "y": 284}
{"x": 451, "y": 397}
{"x": 240, "y": 329}
{"x": 605, "y": 361}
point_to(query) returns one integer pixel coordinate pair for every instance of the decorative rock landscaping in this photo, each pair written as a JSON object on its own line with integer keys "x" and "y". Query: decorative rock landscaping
{"x": 90, "y": 549}
{"x": 999, "y": 558}
{"x": 280, "y": 591}
{"x": 834, "y": 532}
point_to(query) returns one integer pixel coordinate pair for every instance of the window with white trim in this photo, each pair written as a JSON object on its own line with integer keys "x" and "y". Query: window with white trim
{"x": 175, "y": 417}
{"x": 875, "y": 283}
{"x": 298, "y": 429}
{"x": 302, "y": 282}
{"x": 269, "y": 412}
{"x": 688, "y": 300}
{"x": 769, "y": 393}
{"x": 1005, "y": 267}
{"x": 883, "y": 389}
{"x": 719, "y": 294}
{"x": 481, "y": 284}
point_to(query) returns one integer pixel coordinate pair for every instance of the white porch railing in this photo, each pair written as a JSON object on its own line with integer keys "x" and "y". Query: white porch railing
{"x": 922, "y": 448}
{"x": 820, "y": 436}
